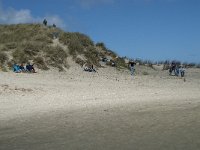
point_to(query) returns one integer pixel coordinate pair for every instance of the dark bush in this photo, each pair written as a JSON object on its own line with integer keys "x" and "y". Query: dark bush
{"x": 39, "y": 61}
{"x": 4, "y": 48}
{"x": 80, "y": 61}
{"x": 31, "y": 48}
{"x": 84, "y": 39}
{"x": 101, "y": 45}
{"x": 92, "y": 56}
{"x": 19, "y": 56}
{"x": 10, "y": 63}
{"x": 65, "y": 38}
{"x": 198, "y": 65}
{"x": 57, "y": 56}
{"x": 3, "y": 58}
{"x": 12, "y": 45}
{"x": 111, "y": 53}
{"x": 120, "y": 63}
{"x": 145, "y": 73}
{"x": 75, "y": 47}
{"x": 42, "y": 37}
{"x": 191, "y": 65}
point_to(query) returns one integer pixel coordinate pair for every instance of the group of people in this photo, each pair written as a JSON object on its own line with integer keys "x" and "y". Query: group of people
{"x": 21, "y": 68}
{"x": 174, "y": 68}
{"x": 45, "y": 23}
{"x": 55, "y": 34}
{"x": 177, "y": 70}
{"x": 89, "y": 68}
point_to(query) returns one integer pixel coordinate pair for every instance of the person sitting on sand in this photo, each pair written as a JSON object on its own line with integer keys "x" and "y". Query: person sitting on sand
{"x": 132, "y": 67}
{"x": 16, "y": 68}
{"x": 22, "y": 68}
{"x": 30, "y": 68}
{"x": 88, "y": 68}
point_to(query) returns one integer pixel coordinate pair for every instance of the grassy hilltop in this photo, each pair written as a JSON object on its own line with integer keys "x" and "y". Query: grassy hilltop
{"x": 24, "y": 43}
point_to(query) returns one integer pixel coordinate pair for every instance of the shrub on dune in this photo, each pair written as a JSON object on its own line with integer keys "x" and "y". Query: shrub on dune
{"x": 3, "y": 58}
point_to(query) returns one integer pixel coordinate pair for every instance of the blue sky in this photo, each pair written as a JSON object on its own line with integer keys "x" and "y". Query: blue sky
{"x": 146, "y": 29}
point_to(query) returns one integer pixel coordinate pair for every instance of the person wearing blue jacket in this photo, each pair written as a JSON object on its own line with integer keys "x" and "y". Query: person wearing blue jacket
{"x": 16, "y": 68}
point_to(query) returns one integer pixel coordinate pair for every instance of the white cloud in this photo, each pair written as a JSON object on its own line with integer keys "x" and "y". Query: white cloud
{"x": 12, "y": 16}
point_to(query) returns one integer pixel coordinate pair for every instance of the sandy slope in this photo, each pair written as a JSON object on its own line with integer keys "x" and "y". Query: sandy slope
{"x": 107, "y": 110}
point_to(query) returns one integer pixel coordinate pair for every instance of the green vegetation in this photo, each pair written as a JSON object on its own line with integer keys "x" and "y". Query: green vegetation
{"x": 39, "y": 61}
{"x": 120, "y": 63}
{"x": 35, "y": 43}
{"x": 56, "y": 57}
{"x": 92, "y": 56}
{"x": 145, "y": 73}
{"x": 23, "y": 43}
{"x": 101, "y": 45}
{"x": 3, "y": 58}
{"x": 24, "y": 32}
{"x": 80, "y": 61}
{"x": 76, "y": 42}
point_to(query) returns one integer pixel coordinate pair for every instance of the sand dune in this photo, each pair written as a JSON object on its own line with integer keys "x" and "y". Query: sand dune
{"x": 102, "y": 111}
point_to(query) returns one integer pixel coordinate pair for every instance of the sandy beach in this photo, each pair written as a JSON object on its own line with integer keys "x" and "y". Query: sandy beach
{"x": 108, "y": 110}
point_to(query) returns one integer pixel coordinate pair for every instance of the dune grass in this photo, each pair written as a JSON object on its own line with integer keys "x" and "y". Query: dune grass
{"x": 24, "y": 43}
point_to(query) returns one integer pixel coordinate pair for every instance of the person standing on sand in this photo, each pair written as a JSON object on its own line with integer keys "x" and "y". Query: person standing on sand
{"x": 132, "y": 67}
{"x": 182, "y": 71}
{"x": 45, "y": 22}
{"x": 54, "y": 25}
